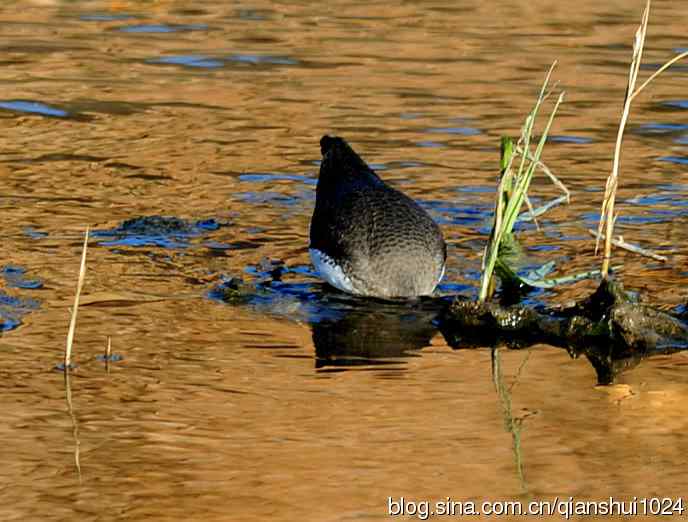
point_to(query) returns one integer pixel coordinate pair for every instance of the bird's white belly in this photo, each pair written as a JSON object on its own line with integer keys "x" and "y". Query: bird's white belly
{"x": 330, "y": 271}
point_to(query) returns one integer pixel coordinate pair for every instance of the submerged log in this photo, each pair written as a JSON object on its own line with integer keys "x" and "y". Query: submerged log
{"x": 608, "y": 327}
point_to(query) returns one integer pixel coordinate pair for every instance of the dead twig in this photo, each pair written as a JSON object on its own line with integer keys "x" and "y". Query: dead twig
{"x": 619, "y": 242}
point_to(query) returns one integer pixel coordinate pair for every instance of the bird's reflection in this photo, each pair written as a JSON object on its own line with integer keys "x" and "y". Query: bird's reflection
{"x": 374, "y": 333}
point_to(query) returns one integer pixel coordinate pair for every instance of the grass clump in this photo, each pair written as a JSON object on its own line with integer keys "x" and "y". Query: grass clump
{"x": 513, "y": 189}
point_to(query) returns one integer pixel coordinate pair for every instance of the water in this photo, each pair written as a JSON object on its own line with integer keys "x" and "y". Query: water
{"x": 294, "y": 402}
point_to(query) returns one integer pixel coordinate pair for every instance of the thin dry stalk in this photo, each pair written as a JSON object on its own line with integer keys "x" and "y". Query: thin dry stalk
{"x": 621, "y": 243}
{"x": 607, "y": 214}
{"x": 75, "y": 308}
{"x": 607, "y": 217}
{"x": 658, "y": 72}
{"x": 108, "y": 353}
{"x": 531, "y": 213}
{"x": 545, "y": 169}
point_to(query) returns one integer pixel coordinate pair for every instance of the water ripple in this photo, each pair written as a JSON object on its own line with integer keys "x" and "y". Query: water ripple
{"x": 269, "y": 177}
{"x": 464, "y": 131}
{"x": 661, "y": 128}
{"x": 260, "y": 59}
{"x": 106, "y": 17}
{"x": 32, "y": 107}
{"x": 578, "y": 140}
{"x": 677, "y": 104}
{"x": 681, "y": 160}
{"x": 188, "y": 60}
{"x": 162, "y": 28}
{"x": 12, "y": 309}
{"x": 15, "y": 278}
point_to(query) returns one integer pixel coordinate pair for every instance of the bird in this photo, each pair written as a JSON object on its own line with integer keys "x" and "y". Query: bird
{"x": 367, "y": 238}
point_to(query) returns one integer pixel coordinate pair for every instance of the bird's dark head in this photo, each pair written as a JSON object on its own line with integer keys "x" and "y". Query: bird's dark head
{"x": 328, "y": 143}
{"x": 339, "y": 160}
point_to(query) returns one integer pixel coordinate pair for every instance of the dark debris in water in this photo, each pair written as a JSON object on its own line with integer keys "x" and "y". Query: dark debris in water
{"x": 15, "y": 278}
{"x": 160, "y": 231}
{"x": 12, "y": 309}
{"x": 232, "y": 290}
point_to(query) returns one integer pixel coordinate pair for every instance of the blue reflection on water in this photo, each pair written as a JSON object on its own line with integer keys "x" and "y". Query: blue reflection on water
{"x": 15, "y": 278}
{"x": 33, "y": 107}
{"x": 161, "y": 28}
{"x": 188, "y": 60}
{"x": 13, "y": 308}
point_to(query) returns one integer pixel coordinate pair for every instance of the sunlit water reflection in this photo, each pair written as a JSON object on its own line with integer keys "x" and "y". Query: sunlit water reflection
{"x": 186, "y": 137}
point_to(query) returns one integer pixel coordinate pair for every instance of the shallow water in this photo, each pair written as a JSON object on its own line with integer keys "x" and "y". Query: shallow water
{"x": 293, "y": 402}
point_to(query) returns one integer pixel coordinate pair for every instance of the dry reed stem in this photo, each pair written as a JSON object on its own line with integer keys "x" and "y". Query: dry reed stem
{"x": 75, "y": 309}
{"x": 607, "y": 213}
{"x": 658, "y": 72}
{"x": 607, "y": 217}
{"x": 108, "y": 353}
{"x": 545, "y": 169}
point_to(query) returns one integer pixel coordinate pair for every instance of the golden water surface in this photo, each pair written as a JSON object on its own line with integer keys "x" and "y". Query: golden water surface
{"x": 273, "y": 408}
